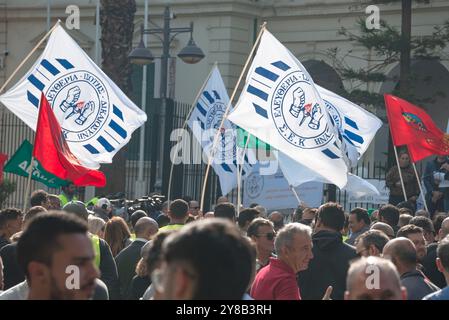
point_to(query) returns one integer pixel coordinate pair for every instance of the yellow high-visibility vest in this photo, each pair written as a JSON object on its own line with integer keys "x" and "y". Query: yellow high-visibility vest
{"x": 96, "y": 244}
{"x": 64, "y": 200}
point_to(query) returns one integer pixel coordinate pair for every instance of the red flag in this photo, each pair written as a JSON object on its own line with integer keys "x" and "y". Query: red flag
{"x": 3, "y": 158}
{"x": 411, "y": 126}
{"x": 52, "y": 151}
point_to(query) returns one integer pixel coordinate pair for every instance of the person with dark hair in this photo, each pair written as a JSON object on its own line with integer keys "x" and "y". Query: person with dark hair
{"x": 117, "y": 235}
{"x": 277, "y": 281}
{"x": 69, "y": 193}
{"x": 47, "y": 247}
{"x": 225, "y": 210}
{"x": 39, "y": 198}
{"x": 371, "y": 243}
{"x": 427, "y": 226}
{"x": 359, "y": 222}
{"x": 222, "y": 199}
{"x": 416, "y": 235}
{"x": 12, "y": 273}
{"x": 205, "y": 260}
{"x": 261, "y": 232}
{"x": 430, "y": 267}
{"x": 127, "y": 259}
{"x": 278, "y": 220}
{"x": 389, "y": 214}
{"x": 330, "y": 264}
{"x": 402, "y": 253}
{"x": 423, "y": 213}
{"x": 442, "y": 262}
{"x": 162, "y": 220}
{"x": 10, "y": 223}
{"x": 253, "y": 205}
{"x": 178, "y": 213}
{"x": 136, "y": 216}
{"x": 245, "y": 217}
{"x": 140, "y": 287}
{"x": 103, "y": 255}
{"x": 393, "y": 181}
{"x": 408, "y": 206}
{"x": 389, "y": 284}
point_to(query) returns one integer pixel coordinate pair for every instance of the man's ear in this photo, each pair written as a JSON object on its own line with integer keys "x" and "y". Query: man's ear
{"x": 39, "y": 272}
{"x": 184, "y": 285}
{"x": 346, "y": 295}
{"x": 404, "y": 293}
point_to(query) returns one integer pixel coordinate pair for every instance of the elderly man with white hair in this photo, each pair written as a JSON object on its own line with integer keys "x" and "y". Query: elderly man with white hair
{"x": 374, "y": 278}
{"x": 277, "y": 281}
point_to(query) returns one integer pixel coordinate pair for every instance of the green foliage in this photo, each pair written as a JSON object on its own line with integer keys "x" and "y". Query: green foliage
{"x": 385, "y": 46}
{"x": 6, "y": 189}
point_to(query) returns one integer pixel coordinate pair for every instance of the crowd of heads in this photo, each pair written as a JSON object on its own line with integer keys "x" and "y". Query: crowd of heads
{"x": 225, "y": 253}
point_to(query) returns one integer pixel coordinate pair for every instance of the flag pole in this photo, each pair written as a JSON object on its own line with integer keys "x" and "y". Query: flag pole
{"x": 192, "y": 107}
{"x": 225, "y": 115}
{"x": 28, "y": 56}
{"x": 239, "y": 175}
{"x": 420, "y": 187}
{"x": 400, "y": 173}
{"x": 28, "y": 187}
{"x": 296, "y": 194}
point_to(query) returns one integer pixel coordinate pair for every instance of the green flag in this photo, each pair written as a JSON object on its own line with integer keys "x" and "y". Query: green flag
{"x": 254, "y": 142}
{"x": 20, "y": 163}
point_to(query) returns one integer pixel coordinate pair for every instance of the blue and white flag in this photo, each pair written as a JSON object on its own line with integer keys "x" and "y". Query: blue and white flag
{"x": 281, "y": 106}
{"x": 96, "y": 117}
{"x": 357, "y": 125}
{"x": 204, "y": 122}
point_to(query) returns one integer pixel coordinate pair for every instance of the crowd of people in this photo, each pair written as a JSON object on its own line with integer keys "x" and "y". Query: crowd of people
{"x": 62, "y": 248}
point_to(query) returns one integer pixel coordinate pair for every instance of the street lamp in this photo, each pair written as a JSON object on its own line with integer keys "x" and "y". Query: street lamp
{"x": 142, "y": 56}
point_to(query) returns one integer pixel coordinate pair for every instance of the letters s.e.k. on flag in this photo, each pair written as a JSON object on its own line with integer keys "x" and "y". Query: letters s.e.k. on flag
{"x": 96, "y": 117}
{"x": 53, "y": 152}
{"x": 204, "y": 121}
{"x": 281, "y": 106}
{"x": 412, "y": 126}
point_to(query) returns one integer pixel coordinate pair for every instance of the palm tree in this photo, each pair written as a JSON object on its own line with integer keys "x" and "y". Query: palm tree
{"x": 117, "y": 25}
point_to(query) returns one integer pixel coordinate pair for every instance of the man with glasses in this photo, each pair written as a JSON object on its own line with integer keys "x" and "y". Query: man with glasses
{"x": 277, "y": 281}
{"x": 205, "y": 260}
{"x": 371, "y": 243}
{"x": 261, "y": 231}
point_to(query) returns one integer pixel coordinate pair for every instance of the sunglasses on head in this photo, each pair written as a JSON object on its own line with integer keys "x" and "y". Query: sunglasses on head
{"x": 269, "y": 235}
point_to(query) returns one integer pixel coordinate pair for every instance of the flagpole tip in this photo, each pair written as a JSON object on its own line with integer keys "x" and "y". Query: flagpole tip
{"x": 264, "y": 25}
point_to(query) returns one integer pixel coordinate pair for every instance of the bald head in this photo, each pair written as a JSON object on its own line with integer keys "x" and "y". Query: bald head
{"x": 361, "y": 282}
{"x": 222, "y": 199}
{"x": 401, "y": 251}
{"x": 146, "y": 227}
{"x": 385, "y": 228}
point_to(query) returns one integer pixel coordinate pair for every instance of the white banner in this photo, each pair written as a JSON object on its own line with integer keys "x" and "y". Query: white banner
{"x": 382, "y": 198}
{"x": 273, "y": 191}
{"x": 96, "y": 117}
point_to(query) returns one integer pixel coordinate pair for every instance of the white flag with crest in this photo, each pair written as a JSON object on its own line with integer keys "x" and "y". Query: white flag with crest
{"x": 96, "y": 117}
{"x": 204, "y": 122}
{"x": 281, "y": 106}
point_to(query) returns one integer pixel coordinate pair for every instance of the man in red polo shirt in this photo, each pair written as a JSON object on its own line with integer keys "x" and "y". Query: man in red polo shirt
{"x": 277, "y": 281}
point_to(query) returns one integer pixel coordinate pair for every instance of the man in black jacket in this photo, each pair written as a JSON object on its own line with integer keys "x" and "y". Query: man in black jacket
{"x": 127, "y": 259}
{"x": 331, "y": 256}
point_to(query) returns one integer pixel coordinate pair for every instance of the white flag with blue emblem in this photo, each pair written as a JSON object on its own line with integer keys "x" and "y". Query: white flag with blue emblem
{"x": 281, "y": 106}
{"x": 357, "y": 126}
{"x": 204, "y": 122}
{"x": 96, "y": 117}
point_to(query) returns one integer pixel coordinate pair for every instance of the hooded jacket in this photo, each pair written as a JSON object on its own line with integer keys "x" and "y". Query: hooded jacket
{"x": 329, "y": 266}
